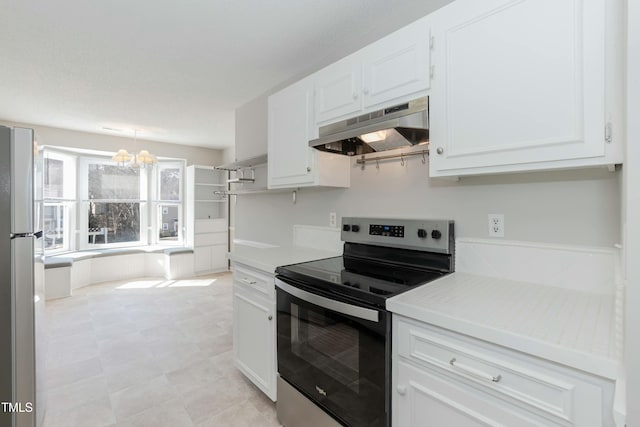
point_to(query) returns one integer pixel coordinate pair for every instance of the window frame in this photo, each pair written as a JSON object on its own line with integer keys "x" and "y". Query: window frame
{"x": 75, "y": 204}
{"x": 157, "y": 202}
{"x": 84, "y": 201}
{"x": 68, "y": 200}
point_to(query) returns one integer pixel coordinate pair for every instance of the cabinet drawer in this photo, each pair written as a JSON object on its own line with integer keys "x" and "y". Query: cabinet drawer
{"x": 210, "y": 225}
{"x": 208, "y": 239}
{"x": 254, "y": 279}
{"x": 421, "y": 398}
{"x": 519, "y": 381}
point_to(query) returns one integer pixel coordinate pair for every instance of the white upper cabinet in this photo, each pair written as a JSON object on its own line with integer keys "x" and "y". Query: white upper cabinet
{"x": 518, "y": 85}
{"x": 397, "y": 65}
{"x": 291, "y": 162}
{"x": 338, "y": 89}
{"x": 289, "y": 159}
{"x": 392, "y": 70}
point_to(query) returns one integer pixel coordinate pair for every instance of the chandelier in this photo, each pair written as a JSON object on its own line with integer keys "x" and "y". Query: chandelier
{"x": 142, "y": 159}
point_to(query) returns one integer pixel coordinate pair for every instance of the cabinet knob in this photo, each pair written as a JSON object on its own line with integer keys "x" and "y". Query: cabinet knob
{"x": 308, "y": 168}
{"x": 366, "y": 91}
{"x": 439, "y": 150}
{"x": 355, "y": 96}
{"x": 270, "y": 317}
{"x": 402, "y": 390}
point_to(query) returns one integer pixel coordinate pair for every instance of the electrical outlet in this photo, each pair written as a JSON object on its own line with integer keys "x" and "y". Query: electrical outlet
{"x": 333, "y": 219}
{"x": 496, "y": 225}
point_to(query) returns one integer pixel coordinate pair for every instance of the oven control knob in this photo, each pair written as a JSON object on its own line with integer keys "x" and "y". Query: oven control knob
{"x": 346, "y": 227}
{"x": 355, "y": 228}
{"x": 422, "y": 233}
{"x": 436, "y": 234}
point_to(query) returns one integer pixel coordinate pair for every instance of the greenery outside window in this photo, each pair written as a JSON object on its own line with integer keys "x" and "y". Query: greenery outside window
{"x": 113, "y": 204}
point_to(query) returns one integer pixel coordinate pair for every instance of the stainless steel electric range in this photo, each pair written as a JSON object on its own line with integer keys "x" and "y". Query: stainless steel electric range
{"x": 333, "y": 329}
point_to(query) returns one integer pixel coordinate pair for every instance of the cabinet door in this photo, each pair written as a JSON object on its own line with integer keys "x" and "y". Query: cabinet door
{"x": 338, "y": 90}
{"x": 517, "y": 82}
{"x": 253, "y": 338}
{"x": 202, "y": 259}
{"x": 219, "y": 257}
{"x": 422, "y": 399}
{"x": 397, "y": 66}
{"x": 289, "y": 161}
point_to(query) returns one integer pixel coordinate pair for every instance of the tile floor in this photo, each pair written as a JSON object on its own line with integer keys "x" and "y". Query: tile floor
{"x": 148, "y": 352}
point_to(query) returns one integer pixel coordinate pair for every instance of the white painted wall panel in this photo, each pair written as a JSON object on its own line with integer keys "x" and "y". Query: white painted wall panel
{"x": 579, "y": 207}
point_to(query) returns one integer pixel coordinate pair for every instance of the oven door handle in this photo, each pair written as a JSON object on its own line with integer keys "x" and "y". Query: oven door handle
{"x": 329, "y": 304}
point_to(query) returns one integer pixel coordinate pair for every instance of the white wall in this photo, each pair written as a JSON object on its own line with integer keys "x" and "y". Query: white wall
{"x": 571, "y": 207}
{"x": 631, "y": 214}
{"x": 93, "y": 141}
{"x": 251, "y": 129}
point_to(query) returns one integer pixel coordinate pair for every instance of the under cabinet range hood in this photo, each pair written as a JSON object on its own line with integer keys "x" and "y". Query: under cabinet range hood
{"x": 402, "y": 125}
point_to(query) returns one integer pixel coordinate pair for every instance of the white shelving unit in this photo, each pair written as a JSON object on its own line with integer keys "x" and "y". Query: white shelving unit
{"x": 207, "y": 218}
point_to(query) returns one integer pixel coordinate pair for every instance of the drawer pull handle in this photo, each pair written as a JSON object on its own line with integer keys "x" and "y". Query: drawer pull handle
{"x": 248, "y": 281}
{"x": 402, "y": 390}
{"x": 474, "y": 371}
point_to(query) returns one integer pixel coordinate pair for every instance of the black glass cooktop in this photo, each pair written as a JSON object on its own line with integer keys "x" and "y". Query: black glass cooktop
{"x": 362, "y": 280}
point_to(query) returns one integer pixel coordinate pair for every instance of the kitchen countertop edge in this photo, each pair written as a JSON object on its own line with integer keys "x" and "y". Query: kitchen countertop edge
{"x": 592, "y": 363}
{"x": 267, "y": 259}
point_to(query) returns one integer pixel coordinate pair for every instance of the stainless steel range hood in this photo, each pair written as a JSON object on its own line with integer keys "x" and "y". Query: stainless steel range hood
{"x": 399, "y": 126}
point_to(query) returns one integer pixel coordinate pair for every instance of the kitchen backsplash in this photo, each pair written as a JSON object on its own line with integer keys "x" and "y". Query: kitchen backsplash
{"x": 583, "y": 268}
{"x": 562, "y": 207}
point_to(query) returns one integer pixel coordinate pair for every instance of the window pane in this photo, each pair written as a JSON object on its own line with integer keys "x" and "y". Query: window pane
{"x": 113, "y": 182}
{"x": 53, "y": 178}
{"x": 170, "y": 184}
{"x": 168, "y": 225}
{"x": 113, "y": 222}
{"x": 54, "y": 216}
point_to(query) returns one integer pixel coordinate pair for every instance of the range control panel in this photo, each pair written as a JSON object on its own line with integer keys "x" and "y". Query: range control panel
{"x": 418, "y": 234}
{"x": 386, "y": 230}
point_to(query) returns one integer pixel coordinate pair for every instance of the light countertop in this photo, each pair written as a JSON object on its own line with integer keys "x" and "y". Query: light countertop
{"x": 268, "y": 258}
{"x": 566, "y": 326}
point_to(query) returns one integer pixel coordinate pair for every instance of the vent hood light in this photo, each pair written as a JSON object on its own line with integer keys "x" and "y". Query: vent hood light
{"x": 373, "y": 136}
{"x": 400, "y": 126}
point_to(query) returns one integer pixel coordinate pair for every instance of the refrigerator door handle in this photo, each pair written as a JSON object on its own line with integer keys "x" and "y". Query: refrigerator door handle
{"x": 37, "y": 235}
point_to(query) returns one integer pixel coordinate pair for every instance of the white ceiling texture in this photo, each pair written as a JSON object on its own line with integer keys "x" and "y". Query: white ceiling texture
{"x": 175, "y": 70}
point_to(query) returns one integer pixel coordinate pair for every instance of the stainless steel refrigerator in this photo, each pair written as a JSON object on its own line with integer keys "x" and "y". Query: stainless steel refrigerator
{"x": 21, "y": 280}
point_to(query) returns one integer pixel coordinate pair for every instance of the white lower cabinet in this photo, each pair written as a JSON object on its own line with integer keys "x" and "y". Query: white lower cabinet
{"x": 426, "y": 399}
{"x": 209, "y": 245}
{"x": 443, "y": 378}
{"x": 254, "y": 327}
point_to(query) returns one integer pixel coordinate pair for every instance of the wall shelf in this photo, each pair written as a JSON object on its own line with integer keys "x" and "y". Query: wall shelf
{"x": 243, "y": 164}
{"x": 241, "y": 180}
{"x": 209, "y": 185}
{"x": 207, "y": 218}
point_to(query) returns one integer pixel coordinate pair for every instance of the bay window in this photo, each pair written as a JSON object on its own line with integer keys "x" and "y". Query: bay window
{"x": 91, "y": 202}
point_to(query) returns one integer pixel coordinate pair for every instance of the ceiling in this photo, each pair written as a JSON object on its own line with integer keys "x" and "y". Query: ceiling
{"x": 176, "y": 71}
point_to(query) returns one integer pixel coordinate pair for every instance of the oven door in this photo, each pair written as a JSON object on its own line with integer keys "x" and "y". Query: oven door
{"x": 335, "y": 353}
